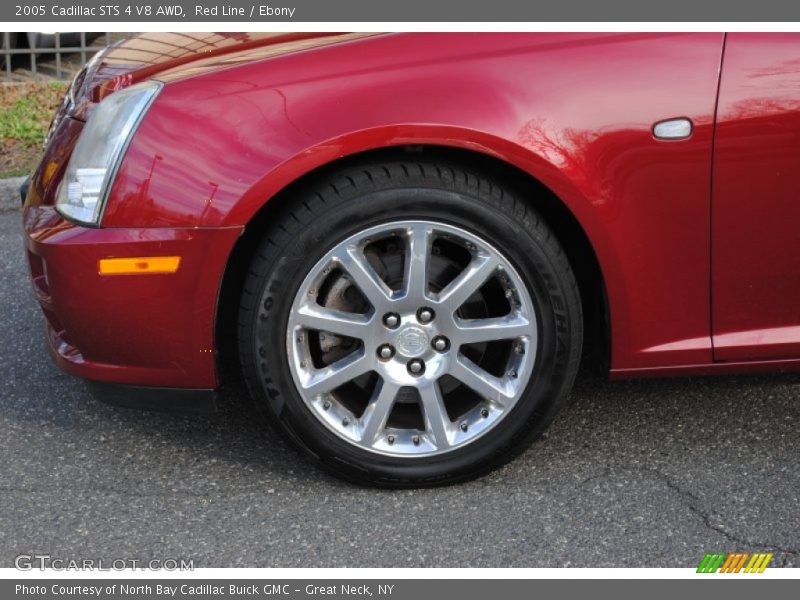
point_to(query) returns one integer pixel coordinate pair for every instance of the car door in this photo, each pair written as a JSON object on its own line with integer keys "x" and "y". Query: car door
{"x": 756, "y": 200}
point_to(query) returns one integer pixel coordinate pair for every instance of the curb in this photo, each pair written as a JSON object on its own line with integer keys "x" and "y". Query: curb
{"x": 9, "y": 193}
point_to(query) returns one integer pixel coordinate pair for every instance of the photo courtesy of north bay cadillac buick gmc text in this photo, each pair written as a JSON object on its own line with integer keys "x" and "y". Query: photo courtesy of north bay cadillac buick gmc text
{"x": 404, "y": 245}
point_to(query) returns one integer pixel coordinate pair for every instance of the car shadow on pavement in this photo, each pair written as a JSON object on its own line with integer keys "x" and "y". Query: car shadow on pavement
{"x": 706, "y": 463}
{"x": 654, "y": 417}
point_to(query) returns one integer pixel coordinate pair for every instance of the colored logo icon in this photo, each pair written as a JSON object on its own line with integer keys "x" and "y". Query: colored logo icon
{"x": 737, "y": 562}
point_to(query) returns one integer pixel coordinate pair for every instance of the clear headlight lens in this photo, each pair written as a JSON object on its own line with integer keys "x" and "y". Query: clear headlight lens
{"x": 99, "y": 150}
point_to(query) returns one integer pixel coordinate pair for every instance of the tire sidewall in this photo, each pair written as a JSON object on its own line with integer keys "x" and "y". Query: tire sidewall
{"x": 529, "y": 249}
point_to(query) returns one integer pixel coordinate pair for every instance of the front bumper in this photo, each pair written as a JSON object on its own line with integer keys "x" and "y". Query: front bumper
{"x": 143, "y": 330}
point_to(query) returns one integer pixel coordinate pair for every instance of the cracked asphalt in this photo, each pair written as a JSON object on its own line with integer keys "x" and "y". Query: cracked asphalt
{"x": 642, "y": 473}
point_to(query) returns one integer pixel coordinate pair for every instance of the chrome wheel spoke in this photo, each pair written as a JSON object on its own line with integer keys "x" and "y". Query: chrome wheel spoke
{"x": 437, "y": 424}
{"x": 467, "y": 282}
{"x": 415, "y": 325}
{"x": 353, "y": 261}
{"x": 416, "y": 266}
{"x": 319, "y": 318}
{"x": 475, "y": 331}
{"x": 330, "y": 377}
{"x": 373, "y": 421}
{"x": 486, "y": 385}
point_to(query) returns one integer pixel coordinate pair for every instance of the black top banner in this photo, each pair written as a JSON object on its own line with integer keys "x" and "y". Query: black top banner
{"x": 453, "y": 11}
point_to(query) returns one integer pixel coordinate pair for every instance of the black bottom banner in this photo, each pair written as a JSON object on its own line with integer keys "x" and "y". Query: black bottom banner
{"x": 396, "y": 589}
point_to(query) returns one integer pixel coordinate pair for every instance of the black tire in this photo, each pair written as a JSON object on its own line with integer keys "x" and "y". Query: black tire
{"x": 369, "y": 194}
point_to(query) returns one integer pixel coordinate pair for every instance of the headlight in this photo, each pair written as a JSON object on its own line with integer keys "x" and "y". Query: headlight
{"x": 99, "y": 151}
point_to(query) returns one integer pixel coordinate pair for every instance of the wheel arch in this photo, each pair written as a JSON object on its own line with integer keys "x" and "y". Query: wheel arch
{"x": 560, "y": 218}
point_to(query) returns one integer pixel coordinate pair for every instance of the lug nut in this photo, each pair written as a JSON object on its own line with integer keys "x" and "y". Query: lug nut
{"x": 326, "y": 405}
{"x": 425, "y": 315}
{"x": 484, "y": 412}
{"x": 416, "y": 367}
{"x": 345, "y": 421}
{"x": 415, "y": 439}
{"x": 441, "y": 343}
{"x": 464, "y": 427}
{"x": 391, "y": 320}
{"x": 386, "y": 351}
{"x": 390, "y": 439}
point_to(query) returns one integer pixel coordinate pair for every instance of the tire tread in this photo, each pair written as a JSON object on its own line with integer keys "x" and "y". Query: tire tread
{"x": 321, "y": 201}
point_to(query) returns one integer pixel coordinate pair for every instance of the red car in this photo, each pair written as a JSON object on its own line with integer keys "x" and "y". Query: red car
{"x": 407, "y": 243}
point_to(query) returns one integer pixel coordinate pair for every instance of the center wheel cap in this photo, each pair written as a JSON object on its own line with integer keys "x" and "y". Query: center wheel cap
{"x": 412, "y": 341}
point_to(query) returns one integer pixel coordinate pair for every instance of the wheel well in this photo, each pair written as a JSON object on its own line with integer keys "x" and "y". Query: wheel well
{"x": 570, "y": 234}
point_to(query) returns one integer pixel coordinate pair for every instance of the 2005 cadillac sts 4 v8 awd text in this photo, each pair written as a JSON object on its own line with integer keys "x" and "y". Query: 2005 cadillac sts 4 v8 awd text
{"x": 406, "y": 243}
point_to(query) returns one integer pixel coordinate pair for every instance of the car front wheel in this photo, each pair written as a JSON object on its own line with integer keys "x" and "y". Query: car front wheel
{"x": 409, "y": 324}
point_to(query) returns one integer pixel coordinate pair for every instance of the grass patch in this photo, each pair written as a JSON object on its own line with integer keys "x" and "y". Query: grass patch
{"x": 26, "y": 110}
{"x": 25, "y": 113}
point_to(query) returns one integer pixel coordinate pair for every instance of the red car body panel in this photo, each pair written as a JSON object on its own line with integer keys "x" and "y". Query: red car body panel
{"x": 756, "y": 232}
{"x": 575, "y": 111}
{"x": 155, "y": 330}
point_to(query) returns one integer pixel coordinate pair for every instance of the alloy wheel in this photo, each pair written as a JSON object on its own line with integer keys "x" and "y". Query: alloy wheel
{"x": 412, "y": 338}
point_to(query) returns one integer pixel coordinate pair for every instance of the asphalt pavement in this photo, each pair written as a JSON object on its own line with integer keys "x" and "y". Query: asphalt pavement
{"x": 643, "y": 473}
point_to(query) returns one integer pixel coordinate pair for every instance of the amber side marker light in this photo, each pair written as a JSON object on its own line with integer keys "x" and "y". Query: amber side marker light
{"x": 139, "y": 265}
